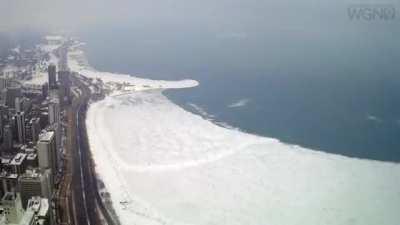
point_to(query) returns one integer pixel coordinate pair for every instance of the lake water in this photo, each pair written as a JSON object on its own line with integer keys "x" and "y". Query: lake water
{"x": 334, "y": 88}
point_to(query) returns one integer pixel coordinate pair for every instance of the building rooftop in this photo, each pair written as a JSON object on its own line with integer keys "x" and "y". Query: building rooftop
{"x": 18, "y": 159}
{"x": 5, "y": 161}
{"x": 36, "y": 211}
{"x": 46, "y": 136}
{"x": 31, "y": 156}
{"x": 44, "y": 207}
{"x": 29, "y": 151}
{"x": 34, "y": 204}
{"x": 32, "y": 174}
{"x": 8, "y": 175}
{"x": 8, "y": 198}
{"x": 38, "y": 205}
{"x": 27, "y": 218}
{"x": 2, "y": 216}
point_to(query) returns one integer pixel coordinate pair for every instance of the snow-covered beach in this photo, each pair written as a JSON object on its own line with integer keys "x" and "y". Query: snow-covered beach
{"x": 164, "y": 165}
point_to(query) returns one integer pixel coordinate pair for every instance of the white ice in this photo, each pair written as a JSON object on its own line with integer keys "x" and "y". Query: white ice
{"x": 239, "y": 103}
{"x": 164, "y": 165}
{"x": 78, "y": 63}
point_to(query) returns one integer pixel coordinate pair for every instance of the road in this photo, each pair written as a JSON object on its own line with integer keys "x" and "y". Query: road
{"x": 84, "y": 202}
{"x": 86, "y": 195}
{"x": 79, "y": 195}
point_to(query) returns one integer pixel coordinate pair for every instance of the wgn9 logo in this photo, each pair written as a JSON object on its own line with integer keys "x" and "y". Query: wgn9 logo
{"x": 371, "y": 12}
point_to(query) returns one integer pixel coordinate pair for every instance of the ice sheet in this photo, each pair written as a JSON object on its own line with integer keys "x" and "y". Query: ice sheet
{"x": 165, "y": 165}
{"x": 174, "y": 167}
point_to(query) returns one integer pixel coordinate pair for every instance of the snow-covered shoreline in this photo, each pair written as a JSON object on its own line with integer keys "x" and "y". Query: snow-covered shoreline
{"x": 78, "y": 63}
{"x": 164, "y": 165}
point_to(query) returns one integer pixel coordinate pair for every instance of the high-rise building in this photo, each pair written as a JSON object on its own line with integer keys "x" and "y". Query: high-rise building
{"x": 22, "y": 104}
{"x": 47, "y": 151}
{"x": 1, "y": 124}
{"x": 20, "y": 121}
{"x": 18, "y": 163}
{"x": 3, "y": 96}
{"x": 54, "y": 111}
{"x": 44, "y": 118}
{"x": 28, "y": 132}
{"x": 65, "y": 87}
{"x": 45, "y": 90}
{"x": 64, "y": 77}
{"x": 53, "y": 94}
{"x": 38, "y": 212}
{"x": 3, "y": 83}
{"x": 54, "y": 120}
{"x": 52, "y": 76}
{"x": 11, "y": 94}
{"x": 7, "y": 137}
{"x": 56, "y": 128}
{"x": 35, "y": 182}
{"x": 18, "y": 104}
{"x": 35, "y": 129}
{"x": 2, "y": 120}
{"x": 8, "y": 177}
{"x": 32, "y": 130}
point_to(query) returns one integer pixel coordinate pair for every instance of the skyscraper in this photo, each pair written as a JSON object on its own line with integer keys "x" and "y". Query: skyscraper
{"x": 34, "y": 182}
{"x": 47, "y": 152}
{"x": 7, "y": 137}
{"x": 54, "y": 112}
{"x": 11, "y": 94}
{"x": 64, "y": 88}
{"x": 32, "y": 130}
{"x": 18, "y": 104}
{"x": 45, "y": 90}
{"x": 3, "y": 83}
{"x": 52, "y": 76}
{"x": 20, "y": 120}
{"x": 3, "y": 112}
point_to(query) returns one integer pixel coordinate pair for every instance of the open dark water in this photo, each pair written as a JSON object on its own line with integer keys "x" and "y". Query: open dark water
{"x": 333, "y": 88}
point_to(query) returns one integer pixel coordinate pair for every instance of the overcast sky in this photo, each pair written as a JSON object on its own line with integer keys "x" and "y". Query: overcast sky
{"x": 234, "y": 18}
{"x": 77, "y": 14}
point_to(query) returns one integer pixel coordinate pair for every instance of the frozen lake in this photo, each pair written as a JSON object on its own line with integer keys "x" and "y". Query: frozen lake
{"x": 174, "y": 167}
{"x": 165, "y": 165}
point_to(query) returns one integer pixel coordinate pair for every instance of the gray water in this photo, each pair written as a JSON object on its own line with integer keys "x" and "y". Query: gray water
{"x": 317, "y": 79}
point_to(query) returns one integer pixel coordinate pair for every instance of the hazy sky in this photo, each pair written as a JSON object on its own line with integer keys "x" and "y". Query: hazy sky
{"x": 77, "y": 14}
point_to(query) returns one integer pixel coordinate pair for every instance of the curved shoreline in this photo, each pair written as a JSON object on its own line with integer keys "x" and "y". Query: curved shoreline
{"x": 272, "y": 166}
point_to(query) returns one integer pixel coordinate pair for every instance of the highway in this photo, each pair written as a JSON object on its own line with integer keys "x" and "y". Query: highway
{"x": 83, "y": 202}
{"x": 86, "y": 195}
{"x": 79, "y": 198}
